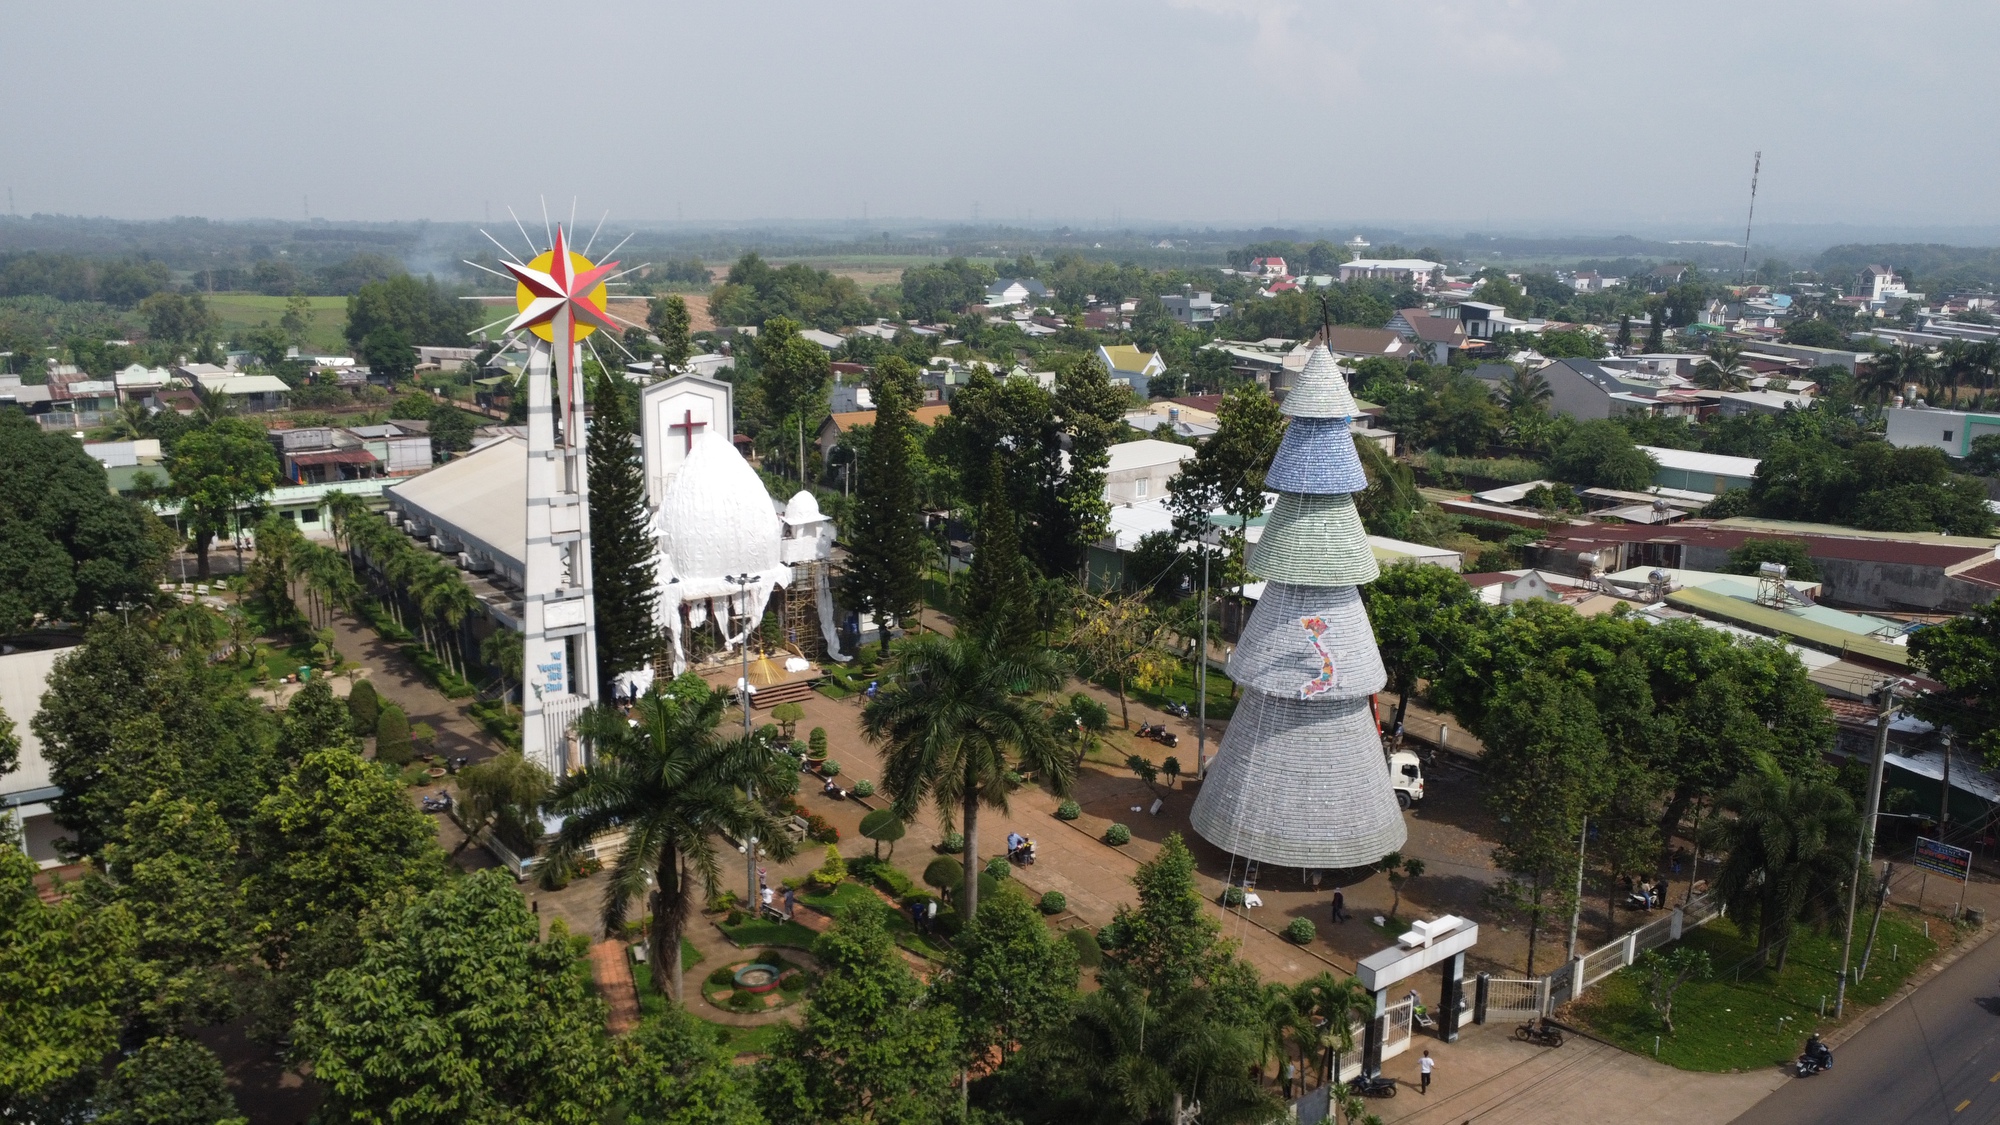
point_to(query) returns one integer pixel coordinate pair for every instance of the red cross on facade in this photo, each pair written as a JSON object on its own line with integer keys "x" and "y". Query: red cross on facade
{"x": 689, "y": 425}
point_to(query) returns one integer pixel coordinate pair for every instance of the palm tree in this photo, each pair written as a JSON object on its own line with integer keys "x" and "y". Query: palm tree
{"x": 129, "y": 424}
{"x": 503, "y": 649}
{"x": 1330, "y": 1005}
{"x": 1959, "y": 360}
{"x": 1131, "y": 1058}
{"x": 1723, "y": 369}
{"x": 1790, "y": 845}
{"x": 212, "y": 406}
{"x": 1526, "y": 390}
{"x": 954, "y": 721}
{"x": 1893, "y": 369}
{"x": 673, "y": 784}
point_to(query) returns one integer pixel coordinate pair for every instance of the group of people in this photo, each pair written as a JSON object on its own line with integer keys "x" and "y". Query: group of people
{"x": 1020, "y": 849}
{"x": 1642, "y": 895}
{"x": 769, "y": 897}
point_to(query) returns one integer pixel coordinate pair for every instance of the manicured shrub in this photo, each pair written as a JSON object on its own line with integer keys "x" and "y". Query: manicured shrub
{"x": 953, "y": 843}
{"x": 722, "y": 977}
{"x": 392, "y": 737}
{"x": 945, "y": 873}
{"x": 364, "y": 706}
{"x": 998, "y": 867}
{"x": 816, "y": 742}
{"x": 1301, "y": 930}
{"x": 1118, "y": 835}
{"x": 863, "y": 788}
{"x": 830, "y": 769}
{"x": 1089, "y": 954}
{"x": 1053, "y": 902}
{"x": 820, "y": 830}
{"x": 1232, "y": 896}
{"x": 832, "y": 871}
{"x": 743, "y": 1001}
{"x": 1068, "y": 810}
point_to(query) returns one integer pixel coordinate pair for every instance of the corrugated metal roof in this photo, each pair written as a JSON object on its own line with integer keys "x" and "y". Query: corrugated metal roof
{"x": 1779, "y": 623}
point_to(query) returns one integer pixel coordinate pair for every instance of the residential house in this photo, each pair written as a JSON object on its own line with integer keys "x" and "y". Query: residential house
{"x": 1482, "y": 320}
{"x": 34, "y": 400}
{"x": 1193, "y": 307}
{"x": 1139, "y": 470}
{"x": 1586, "y": 389}
{"x": 1016, "y": 291}
{"x": 444, "y": 359}
{"x": 1270, "y": 269}
{"x": 1436, "y": 338}
{"x": 1691, "y": 471}
{"x": 137, "y": 381}
{"x": 1879, "y": 283}
{"x": 251, "y": 394}
{"x": 835, "y": 425}
{"x": 1737, "y": 403}
{"x": 80, "y": 402}
{"x": 123, "y": 461}
{"x": 1171, "y": 418}
{"x": 1361, "y": 343}
{"x": 1132, "y": 366}
{"x": 1590, "y": 281}
{"x": 826, "y": 340}
{"x": 1948, "y": 431}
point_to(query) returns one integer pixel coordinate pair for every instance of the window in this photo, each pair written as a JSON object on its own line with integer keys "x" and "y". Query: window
{"x": 1947, "y": 435}
{"x": 1141, "y": 486}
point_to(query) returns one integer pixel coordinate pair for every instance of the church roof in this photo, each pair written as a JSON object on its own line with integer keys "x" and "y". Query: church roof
{"x": 480, "y": 497}
{"x": 1313, "y": 541}
{"x": 1317, "y": 456}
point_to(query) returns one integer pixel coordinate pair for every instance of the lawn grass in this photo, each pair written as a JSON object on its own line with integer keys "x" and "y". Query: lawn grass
{"x": 1742, "y": 1019}
{"x": 901, "y": 927}
{"x": 759, "y": 931}
{"x": 735, "y": 1040}
{"x": 247, "y": 310}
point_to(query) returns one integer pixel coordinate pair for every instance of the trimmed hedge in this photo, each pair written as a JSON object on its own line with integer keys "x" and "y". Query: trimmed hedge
{"x": 1117, "y": 835}
{"x": 1068, "y": 810}
{"x": 1053, "y": 902}
{"x": 1301, "y": 930}
{"x": 364, "y": 706}
{"x": 392, "y": 737}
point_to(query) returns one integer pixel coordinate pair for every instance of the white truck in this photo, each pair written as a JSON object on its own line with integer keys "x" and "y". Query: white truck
{"x": 1406, "y": 776}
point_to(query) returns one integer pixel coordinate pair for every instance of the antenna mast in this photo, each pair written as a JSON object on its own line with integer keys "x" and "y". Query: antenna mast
{"x": 1756, "y": 166}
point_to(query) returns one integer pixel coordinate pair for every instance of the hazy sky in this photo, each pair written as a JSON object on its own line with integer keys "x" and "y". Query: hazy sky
{"x": 1579, "y": 115}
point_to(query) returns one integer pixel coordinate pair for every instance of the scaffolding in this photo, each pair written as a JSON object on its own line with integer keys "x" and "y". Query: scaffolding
{"x": 802, "y": 611}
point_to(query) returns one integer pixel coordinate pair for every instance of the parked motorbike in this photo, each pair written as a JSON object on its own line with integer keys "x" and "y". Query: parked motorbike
{"x": 439, "y": 803}
{"x": 453, "y": 765}
{"x": 1373, "y": 1085}
{"x": 1539, "y": 1031}
{"x": 1178, "y": 710}
{"x": 1159, "y": 733}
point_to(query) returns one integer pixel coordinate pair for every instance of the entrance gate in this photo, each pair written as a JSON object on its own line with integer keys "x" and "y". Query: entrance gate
{"x": 1439, "y": 942}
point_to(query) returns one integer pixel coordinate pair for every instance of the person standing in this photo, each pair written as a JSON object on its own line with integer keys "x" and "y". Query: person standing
{"x": 1424, "y": 1067}
{"x": 1290, "y": 1074}
{"x": 1339, "y": 906}
{"x": 791, "y": 903}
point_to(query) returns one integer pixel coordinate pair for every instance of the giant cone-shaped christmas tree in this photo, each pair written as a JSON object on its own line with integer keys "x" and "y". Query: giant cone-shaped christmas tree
{"x": 1300, "y": 779}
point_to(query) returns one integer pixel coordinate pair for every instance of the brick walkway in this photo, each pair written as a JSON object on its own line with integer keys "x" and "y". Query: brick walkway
{"x": 613, "y": 975}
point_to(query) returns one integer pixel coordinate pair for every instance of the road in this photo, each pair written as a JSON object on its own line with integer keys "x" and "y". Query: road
{"x": 1935, "y": 1057}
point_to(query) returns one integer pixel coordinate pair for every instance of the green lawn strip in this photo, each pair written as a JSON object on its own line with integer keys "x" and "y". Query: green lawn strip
{"x": 901, "y": 926}
{"x": 758, "y": 932}
{"x": 1742, "y": 1019}
{"x": 1180, "y": 690}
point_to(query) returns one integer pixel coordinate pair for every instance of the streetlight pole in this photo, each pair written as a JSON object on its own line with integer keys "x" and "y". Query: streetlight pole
{"x": 1865, "y": 847}
{"x": 1201, "y": 676}
{"x": 742, "y": 583}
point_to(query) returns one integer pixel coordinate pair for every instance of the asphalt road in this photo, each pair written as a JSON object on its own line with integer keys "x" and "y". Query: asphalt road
{"x": 1933, "y": 1058}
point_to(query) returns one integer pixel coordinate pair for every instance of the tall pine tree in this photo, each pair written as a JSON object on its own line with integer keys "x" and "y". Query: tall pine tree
{"x": 1092, "y": 408}
{"x": 621, "y": 539}
{"x": 885, "y": 563}
{"x": 1000, "y": 591}
{"x": 669, "y": 320}
{"x": 1656, "y": 331}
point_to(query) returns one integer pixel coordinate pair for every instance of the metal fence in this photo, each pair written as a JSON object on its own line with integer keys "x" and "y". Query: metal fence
{"x": 1516, "y": 997}
{"x": 1396, "y": 1028}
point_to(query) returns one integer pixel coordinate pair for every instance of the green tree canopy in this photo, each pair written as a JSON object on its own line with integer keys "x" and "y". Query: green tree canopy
{"x": 886, "y": 539}
{"x": 670, "y": 1072}
{"x": 68, "y": 546}
{"x": 1600, "y": 454}
{"x": 169, "y": 1081}
{"x": 871, "y": 1049}
{"x": 422, "y": 312}
{"x": 1011, "y": 980}
{"x": 1754, "y": 552}
{"x": 219, "y": 473}
{"x": 459, "y": 1011}
{"x": 755, "y": 291}
{"x": 622, "y": 571}
{"x": 1963, "y": 656}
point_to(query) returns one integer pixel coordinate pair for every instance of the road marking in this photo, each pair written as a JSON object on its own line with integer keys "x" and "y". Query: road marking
{"x": 1961, "y": 1106}
{"x": 1996, "y": 1077}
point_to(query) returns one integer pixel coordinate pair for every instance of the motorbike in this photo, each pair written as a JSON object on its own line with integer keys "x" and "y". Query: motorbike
{"x": 1809, "y": 1065}
{"x": 1178, "y": 710}
{"x": 1373, "y": 1085}
{"x": 1159, "y": 733}
{"x": 440, "y": 803}
{"x": 453, "y": 765}
{"x": 1536, "y": 1031}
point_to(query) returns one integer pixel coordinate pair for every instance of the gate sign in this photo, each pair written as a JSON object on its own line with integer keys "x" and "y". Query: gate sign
{"x": 1933, "y": 855}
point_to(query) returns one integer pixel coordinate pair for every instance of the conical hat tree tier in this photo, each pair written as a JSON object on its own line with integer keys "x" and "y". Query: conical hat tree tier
{"x": 1300, "y": 783}
{"x": 1300, "y": 779}
{"x": 1309, "y": 642}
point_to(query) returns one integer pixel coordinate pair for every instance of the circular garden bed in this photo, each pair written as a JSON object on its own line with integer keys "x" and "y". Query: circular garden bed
{"x": 764, "y": 983}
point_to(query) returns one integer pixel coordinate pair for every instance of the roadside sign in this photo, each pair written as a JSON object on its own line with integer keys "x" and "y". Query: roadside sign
{"x": 1935, "y": 855}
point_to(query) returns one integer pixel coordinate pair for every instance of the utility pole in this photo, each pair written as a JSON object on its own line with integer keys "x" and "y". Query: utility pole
{"x": 1944, "y": 791}
{"x": 1576, "y": 908}
{"x": 1865, "y": 847}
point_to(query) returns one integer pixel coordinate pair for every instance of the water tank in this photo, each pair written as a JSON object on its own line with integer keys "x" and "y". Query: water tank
{"x": 1772, "y": 570}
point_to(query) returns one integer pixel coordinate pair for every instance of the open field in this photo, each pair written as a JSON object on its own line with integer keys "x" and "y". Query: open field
{"x": 246, "y": 310}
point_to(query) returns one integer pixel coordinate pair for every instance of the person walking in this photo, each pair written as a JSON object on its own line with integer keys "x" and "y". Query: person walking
{"x": 1424, "y": 1067}
{"x": 1339, "y": 906}
{"x": 1290, "y": 1074}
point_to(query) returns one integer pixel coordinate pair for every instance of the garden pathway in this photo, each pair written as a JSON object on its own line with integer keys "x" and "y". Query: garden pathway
{"x": 613, "y": 975}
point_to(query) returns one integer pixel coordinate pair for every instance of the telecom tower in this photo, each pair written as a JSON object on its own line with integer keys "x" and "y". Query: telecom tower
{"x": 560, "y": 297}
